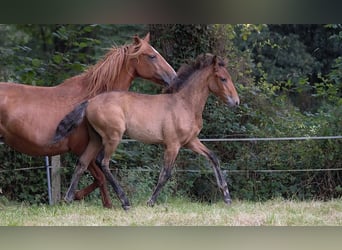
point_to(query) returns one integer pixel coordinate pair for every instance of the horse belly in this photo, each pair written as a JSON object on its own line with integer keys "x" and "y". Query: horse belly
{"x": 32, "y": 149}
{"x": 28, "y": 134}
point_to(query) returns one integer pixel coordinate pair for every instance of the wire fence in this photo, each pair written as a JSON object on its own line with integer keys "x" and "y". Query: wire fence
{"x": 225, "y": 168}
{"x": 337, "y": 137}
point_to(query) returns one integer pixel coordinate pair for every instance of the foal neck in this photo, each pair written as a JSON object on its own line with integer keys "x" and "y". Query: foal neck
{"x": 195, "y": 91}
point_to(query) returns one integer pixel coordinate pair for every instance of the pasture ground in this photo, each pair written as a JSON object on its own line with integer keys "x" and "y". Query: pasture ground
{"x": 176, "y": 212}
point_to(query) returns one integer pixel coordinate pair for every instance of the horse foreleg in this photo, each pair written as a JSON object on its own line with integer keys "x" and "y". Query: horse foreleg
{"x": 165, "y": 174}
{"x": 100, "y": 181}
{"x": 198, "y": 147}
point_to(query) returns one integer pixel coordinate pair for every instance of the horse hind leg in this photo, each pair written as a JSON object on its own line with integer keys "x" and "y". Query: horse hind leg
{"x": 91, "y": 151}
{"x": 99, "y": 182}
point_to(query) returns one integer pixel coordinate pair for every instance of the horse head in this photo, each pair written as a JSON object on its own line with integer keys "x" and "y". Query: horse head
{"x": 148, "y": 63}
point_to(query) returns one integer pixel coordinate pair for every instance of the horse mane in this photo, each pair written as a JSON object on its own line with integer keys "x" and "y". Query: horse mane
{"x": 101, "y": 76}
{"x": 187, "y": 70}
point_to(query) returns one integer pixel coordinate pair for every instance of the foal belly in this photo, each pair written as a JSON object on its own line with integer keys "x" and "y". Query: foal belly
{"x": 145, "y": 135}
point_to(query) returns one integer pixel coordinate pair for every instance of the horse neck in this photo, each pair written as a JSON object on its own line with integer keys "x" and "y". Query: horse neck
{"x": 76, "y": 88}
{"x": 195, "y": 92}
{"x": 121, "y": 82}
{"x": 113, "y": 72}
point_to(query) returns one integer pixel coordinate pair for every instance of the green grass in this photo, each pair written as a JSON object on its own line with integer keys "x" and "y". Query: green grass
{"x": 176, "y": 212}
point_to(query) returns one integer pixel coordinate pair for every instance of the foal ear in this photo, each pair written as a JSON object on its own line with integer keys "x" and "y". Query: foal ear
{"x": 215, "y": 63}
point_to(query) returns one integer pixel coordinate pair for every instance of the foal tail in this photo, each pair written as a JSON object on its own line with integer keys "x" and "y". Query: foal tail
{"x": 70, "y": 122}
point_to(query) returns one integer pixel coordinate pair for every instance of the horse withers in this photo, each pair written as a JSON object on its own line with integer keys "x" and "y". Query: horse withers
{"x": 29, "y": 115}
{"x": 174, "y": 120}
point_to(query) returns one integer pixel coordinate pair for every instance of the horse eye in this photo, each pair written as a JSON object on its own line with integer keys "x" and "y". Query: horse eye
{"x": 223, "y": 79}
{"x": 151, "y": 56}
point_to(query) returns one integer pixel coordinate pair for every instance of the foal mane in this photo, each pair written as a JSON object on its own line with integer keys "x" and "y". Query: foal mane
{"x": 104, "y": 74}
{"x": 186, "y": 70}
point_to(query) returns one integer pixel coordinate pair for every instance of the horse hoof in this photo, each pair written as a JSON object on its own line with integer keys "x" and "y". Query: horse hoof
{"x": 109, "y": 206}
{"x": 79, "y": 195}
{"x": 67, "y": 200}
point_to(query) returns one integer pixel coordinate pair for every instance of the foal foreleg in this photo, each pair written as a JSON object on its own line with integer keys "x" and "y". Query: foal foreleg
{"x": 109, "y": 148}
{"x": 165, "y": 174}
{"x": 200, "y": 148}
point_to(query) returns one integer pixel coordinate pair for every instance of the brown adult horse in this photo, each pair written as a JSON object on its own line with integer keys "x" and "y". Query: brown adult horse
{"x": 173, "y": 120}
{"x": 29, "y": 115}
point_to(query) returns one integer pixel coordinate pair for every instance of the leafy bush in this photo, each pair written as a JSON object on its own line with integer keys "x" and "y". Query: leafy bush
{"x": 287, "y": 88}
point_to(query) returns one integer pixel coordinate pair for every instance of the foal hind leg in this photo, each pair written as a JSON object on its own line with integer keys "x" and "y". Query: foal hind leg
{"x": 198, "y": 147}
{"x": 91, "y": 151}
{"x": 170, "y": 155}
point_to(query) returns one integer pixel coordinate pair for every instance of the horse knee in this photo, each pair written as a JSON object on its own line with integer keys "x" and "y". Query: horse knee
{"x": 101, "y": 180}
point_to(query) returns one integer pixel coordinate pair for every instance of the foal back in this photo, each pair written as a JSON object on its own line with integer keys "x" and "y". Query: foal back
{"x": 152, "y": 119}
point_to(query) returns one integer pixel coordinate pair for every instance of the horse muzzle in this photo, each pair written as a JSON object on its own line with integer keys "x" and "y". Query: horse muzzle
{"x": 168, "y": 78}
{"x": 233, "y": 101}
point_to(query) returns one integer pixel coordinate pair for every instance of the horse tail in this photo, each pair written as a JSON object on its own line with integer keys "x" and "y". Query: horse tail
{"x": 70, "y": 122}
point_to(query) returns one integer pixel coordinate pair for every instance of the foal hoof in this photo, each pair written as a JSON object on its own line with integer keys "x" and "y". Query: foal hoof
{"x": 228, "y": 201}
{"x": 126, "y": 207}
{"x": 109, "y": 206}
{"x": 150, "y": 203}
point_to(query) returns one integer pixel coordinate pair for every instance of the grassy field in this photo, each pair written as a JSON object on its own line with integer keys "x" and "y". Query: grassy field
{"x": 176, "y": 212}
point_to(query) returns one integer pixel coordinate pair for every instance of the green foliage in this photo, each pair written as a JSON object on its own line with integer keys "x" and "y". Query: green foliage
{"x": 289, "y": 81}
{"x": 180, "y": 43}
{"x": 16, "y": 183}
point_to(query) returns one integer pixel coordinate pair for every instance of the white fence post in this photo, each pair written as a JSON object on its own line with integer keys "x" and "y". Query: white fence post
{"x": 56, "y": 178}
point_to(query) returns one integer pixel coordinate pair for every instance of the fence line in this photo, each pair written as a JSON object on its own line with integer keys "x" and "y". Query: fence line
{"x": 21, "y": 169}
{"x": 261, "y": 139}
{"x": 258, "y": 139}
{"x": 233, "y": 171}
{"x": 230, "y": 140}
{"x": 199, "y": 170}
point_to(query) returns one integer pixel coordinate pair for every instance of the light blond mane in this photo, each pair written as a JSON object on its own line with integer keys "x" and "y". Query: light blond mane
{"x": 104, "y": 75}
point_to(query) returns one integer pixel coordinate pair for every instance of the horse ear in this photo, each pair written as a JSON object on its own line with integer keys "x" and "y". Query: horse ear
{"x": 215, "y": 59}
{"x": 147, "y": 37}
{"x": 136, "y": 39}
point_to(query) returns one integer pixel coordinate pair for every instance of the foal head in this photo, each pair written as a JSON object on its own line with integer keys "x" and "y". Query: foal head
{"x": 148, "y": 63}
{"x": 221, "y": 84}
